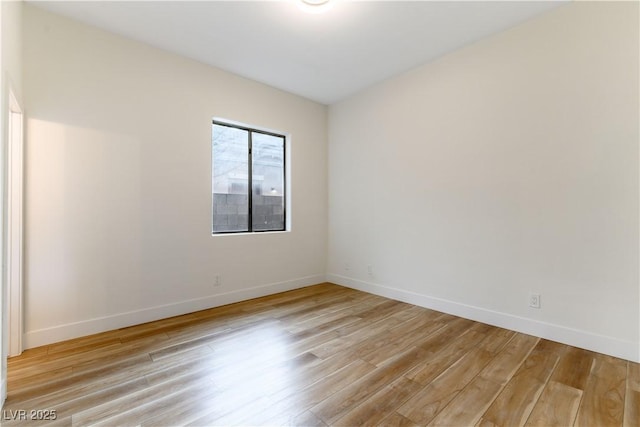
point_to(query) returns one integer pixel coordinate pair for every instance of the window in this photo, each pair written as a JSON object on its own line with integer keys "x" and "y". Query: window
{"x": 248, "y": 179}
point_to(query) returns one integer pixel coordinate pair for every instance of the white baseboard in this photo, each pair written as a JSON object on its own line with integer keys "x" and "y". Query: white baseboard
{"x": 574, "y": 337}
{"x": 54, "y": 334}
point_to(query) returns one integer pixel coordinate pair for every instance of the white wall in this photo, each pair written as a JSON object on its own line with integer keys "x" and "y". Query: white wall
{"x": 11, "y": 79}
{"x": 12, "y": 46}
{"x": 118, "y": 184}
{"x": 506, "y": 167}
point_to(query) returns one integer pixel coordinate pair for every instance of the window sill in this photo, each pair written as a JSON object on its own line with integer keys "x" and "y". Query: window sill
{"x": 250, "y": 234}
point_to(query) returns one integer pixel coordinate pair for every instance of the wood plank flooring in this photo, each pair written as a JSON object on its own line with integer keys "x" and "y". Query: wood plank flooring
{"x": 322, "y": 355}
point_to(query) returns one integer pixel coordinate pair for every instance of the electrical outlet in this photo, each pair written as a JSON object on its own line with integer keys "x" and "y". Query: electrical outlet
{"x": 370, "y": 270}
{"x": 534, "y": 300}
{"x": 218, "y": 281}
{"x": 347, "y": 266}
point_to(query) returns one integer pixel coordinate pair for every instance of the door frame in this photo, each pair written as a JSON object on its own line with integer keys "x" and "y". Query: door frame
{"x": 14, "y": 212}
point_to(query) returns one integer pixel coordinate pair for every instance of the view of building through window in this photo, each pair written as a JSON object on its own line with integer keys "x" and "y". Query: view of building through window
{"x": 243, "y": 159}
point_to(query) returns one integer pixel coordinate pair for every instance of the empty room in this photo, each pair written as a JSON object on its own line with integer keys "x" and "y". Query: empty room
{"x": 320, "y": 213}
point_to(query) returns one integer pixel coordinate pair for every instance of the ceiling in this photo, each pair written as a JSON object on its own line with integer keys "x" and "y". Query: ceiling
{"x": 321, "y": 56}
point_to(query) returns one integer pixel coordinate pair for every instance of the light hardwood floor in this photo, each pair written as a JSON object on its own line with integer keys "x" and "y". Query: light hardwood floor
{"x": 322, "y": 355}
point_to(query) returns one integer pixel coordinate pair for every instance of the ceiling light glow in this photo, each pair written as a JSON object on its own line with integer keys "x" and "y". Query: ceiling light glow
{"x": 315, "y": 6}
